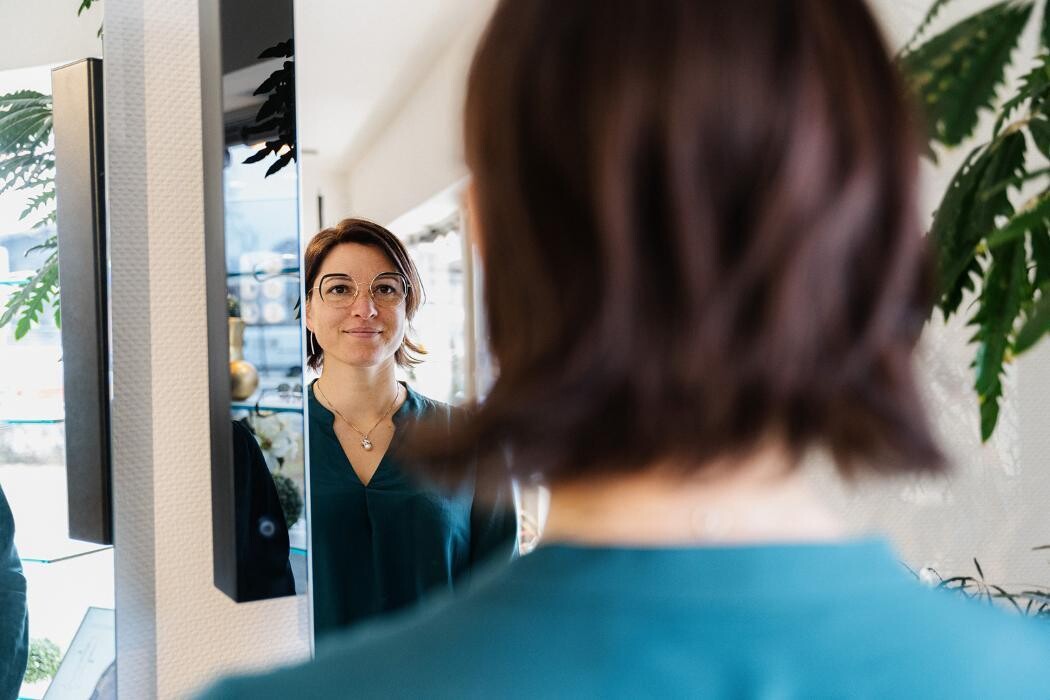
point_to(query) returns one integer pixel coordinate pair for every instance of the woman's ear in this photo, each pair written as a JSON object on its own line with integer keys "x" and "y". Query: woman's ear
{"x": 308, "y": 315}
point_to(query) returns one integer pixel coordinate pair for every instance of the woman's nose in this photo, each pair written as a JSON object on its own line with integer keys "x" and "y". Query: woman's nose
{"x": 363, "y": 306}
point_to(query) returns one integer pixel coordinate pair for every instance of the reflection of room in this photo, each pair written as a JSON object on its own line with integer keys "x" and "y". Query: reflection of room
{"x": 33, "y": 456}
{"x": 261, "y": 227}
{"x": 380, "y": 139}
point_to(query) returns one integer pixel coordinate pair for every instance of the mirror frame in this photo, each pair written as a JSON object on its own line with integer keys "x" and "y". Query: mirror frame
{"x": 223, "y": 486}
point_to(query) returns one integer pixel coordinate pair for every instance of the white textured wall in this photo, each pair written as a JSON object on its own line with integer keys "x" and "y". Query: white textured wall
{"x": 993, "y": 504}
{"x": 174, "y": 628}
{"x": 419, "y": 151}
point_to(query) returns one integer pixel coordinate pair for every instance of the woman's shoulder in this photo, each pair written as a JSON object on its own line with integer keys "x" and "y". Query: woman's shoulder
{"x": 425, "y": 407}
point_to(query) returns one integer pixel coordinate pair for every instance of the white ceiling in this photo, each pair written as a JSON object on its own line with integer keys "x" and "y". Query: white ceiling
{"x": 357, "y": 59}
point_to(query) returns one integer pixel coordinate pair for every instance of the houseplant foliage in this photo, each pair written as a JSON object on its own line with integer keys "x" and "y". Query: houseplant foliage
{"x": 1030, "y": 602}
{"x": 276, "y": 115}
{"x": 27, "y": 164}
{"x": 44, "y": 658}
{"x": 991, "y": 229}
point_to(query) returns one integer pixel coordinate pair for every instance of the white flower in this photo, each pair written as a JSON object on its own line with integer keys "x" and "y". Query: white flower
{"x": 928, "y": 577}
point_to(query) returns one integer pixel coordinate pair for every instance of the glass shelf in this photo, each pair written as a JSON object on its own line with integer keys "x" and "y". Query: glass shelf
{"x": 267, "y": 407}
{"x": 261, "y": 275}
{"x": 53, "y": 559}
{"x": 31, "y": 421}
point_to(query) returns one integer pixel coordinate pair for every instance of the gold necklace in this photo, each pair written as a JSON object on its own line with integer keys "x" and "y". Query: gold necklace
{"x": 365, "y": 442}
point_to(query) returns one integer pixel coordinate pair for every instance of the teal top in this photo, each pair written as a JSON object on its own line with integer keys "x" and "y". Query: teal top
{"x": 381, "y": 547}
{"x": 841, "y": 620}
{"x": 14, "y": 622}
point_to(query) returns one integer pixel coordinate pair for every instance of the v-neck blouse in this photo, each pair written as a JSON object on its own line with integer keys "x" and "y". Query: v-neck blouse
{"x": 382, "y": 546}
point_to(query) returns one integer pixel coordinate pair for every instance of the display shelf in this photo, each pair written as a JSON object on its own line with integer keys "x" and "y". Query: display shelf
{"x": 267, "y": 407}
{"x": 262, "y": 275}
{"x": 59, "y": 558}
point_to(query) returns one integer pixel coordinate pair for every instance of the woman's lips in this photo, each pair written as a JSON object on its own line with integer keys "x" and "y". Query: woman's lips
{"x": 363, "y": 332}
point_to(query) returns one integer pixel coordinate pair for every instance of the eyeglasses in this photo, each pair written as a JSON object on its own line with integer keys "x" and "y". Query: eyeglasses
{"x": 386, "y": 289}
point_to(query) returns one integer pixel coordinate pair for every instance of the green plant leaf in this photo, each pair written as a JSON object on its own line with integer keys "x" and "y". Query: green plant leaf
{"x": 280, "y": 163}
{"x": 1039, "y": 237}
{"x": 1035, "y": 214}
{"x": 1005, "y": 289}
{"x": 1044, "y": 33}
{"x": 931, "y": 14}
{"x": 37, "y": 201}
{"x": 30, "y": 298}
{"x": 284, "y": 49}
{"x": 1039, "y": 128}
{"x": 25, "y": 120}
{"x": 1036, "y": 323}
{"x": 956, "y": 73}
{"x": 968, "y": 212}
{"x": 1034, "y": 89}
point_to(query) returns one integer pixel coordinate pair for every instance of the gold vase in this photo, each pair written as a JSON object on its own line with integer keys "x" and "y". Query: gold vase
{"x": 244, "y": 378}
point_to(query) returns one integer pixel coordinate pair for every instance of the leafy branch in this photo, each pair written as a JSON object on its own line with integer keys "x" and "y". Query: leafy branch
{"x": 27, "y": 164}
{"x": 1031, "y": 602}
{"x": 990, "y": 246}
{"x": 277, "y": 113}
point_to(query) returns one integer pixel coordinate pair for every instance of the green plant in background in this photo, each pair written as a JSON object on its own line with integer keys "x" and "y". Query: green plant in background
{"x": 44, "y": 657}
{"x": 991, "y": 242}
{"x": 276, "y": 115}
{"x": 27, "y": 164}
{"x": 1031, "y": 602}
{"x": 289, "y": 497}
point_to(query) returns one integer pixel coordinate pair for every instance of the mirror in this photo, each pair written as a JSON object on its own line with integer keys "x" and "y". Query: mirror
{"x": 256, "y": 351}
{"x": 379, "y": 88}
{"x": 378, "y": 96}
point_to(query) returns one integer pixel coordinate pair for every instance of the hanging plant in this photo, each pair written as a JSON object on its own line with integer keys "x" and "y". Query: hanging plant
{"x": 991, "y": 244}
{"x": 277, "y": 114}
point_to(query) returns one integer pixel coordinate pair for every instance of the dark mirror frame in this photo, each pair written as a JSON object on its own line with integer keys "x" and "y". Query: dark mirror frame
{"x": 240, "y": 569}
{"x": 223, "y": 485}
{"x": 81, "y": 222}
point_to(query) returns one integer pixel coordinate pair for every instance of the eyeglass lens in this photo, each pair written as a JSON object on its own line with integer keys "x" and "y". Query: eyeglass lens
{"x": 387, "y": 289}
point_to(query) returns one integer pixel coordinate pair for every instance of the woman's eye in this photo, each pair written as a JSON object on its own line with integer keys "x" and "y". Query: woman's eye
{"x": 384, "y": 290}
{"x": 339, "y": 289}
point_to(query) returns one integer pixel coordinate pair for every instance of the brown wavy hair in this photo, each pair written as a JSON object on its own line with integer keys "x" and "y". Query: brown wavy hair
{"x": 367, "y": 233}
{"x": 699, "y": 232}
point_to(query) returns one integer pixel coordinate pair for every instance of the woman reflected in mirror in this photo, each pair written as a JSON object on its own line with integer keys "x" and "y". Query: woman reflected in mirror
{"x": 703, "y": 265}
{"x": 381, "y": 538}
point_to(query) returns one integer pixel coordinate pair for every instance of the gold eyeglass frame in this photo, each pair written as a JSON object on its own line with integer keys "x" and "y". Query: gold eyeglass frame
{"x": 357, "y": 288}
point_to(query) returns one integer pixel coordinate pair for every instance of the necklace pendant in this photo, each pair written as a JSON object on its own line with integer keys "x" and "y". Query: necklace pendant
{"x": 367, "y": 444}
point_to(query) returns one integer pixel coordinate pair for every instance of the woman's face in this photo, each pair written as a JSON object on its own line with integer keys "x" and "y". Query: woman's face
{"x": 362, "y": 334}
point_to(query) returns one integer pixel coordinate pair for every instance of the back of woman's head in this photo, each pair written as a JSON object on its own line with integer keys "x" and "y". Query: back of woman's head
{"x": 698, "y": 234}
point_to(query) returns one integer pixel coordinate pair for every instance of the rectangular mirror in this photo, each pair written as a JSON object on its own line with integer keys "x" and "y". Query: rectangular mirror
{"x": 255, "y": 346}
{"x": 380, "y": 87}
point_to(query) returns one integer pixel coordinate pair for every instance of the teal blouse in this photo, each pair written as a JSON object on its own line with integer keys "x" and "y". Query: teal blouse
{"x": 381, "y": 547}
{"x": 793, "y": 622}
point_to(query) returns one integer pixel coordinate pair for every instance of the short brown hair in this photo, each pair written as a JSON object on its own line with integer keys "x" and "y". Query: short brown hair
{"x": 700, "y": 232}
{"x": 366, "y": 233}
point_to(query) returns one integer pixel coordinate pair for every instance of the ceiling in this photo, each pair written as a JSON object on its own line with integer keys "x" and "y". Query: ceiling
{"x": 356, "y": 60}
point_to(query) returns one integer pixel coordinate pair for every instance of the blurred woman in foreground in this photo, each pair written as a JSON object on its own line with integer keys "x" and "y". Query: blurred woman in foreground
{"x": 703, "y": 261}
